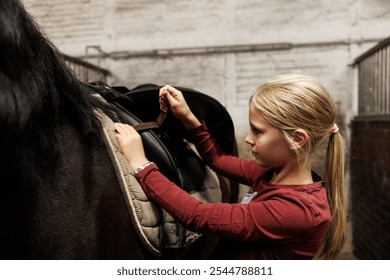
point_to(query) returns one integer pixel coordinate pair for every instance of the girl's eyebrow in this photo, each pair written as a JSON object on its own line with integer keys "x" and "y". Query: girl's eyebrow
{"x": 259, "y": 123}
{"x": 255, "y": 126}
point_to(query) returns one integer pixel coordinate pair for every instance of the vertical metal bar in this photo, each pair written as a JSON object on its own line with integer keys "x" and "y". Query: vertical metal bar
{"x": 379, "y": 99}
{"x": 387, "y": 80}
{"x": 362, "y": 87}
{"x": 373, "y": 83}
{"x": 370, "y": 82}
{"x": 376, "y": 83}
{"x": 380, "y": 80}
{"x": 382, "y": 73}
{"x": 77, "y": 70}
{"x": 383, "y": 81}
{"x": 380, "y": 86}
{"x": 367, "y": 91}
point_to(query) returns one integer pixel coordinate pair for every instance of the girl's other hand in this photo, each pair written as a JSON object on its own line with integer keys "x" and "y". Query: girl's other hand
{"x": 131, "y": 145}
{"x": 172, "y": 98}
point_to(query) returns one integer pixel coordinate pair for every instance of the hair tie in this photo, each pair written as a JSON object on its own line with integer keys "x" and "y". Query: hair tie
{"x": 334, "y": 129}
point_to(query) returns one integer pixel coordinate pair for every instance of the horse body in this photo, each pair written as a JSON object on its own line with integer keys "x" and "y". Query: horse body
{"x": 86, "y": 217}
{"x": 78, "y": 212}
{"x": 59, "y": 197}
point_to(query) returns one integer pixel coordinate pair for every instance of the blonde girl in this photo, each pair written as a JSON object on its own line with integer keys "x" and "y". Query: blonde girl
{"x": 292, "y": 213}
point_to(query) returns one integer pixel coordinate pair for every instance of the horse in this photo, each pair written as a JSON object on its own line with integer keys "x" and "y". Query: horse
{"x": 60, "y": 194}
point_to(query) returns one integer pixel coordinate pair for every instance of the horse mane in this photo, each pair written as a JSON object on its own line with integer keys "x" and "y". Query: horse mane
{"x": 38, "y": 90}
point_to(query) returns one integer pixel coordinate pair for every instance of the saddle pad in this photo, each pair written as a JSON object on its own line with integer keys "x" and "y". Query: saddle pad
{"x": 156, "y": 228}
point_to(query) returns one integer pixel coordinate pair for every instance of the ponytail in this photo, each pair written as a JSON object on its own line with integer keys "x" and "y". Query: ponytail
{"x": 334, "y": 184}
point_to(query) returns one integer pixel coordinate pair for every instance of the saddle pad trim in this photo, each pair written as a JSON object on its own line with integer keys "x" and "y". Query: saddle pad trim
{"x": 122, "y": 183}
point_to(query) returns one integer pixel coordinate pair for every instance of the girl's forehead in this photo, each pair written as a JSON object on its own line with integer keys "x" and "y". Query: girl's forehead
{"x": 255, "y": 117}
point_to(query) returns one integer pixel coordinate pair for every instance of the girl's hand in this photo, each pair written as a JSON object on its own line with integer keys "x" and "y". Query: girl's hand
{"x": 131, "y": 144}
{"x": 174, "y": 99}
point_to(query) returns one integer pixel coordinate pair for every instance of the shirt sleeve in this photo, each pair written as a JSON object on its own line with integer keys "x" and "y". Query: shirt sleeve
{"x": 243, "y": 171}
{"x": 265, "y": 221}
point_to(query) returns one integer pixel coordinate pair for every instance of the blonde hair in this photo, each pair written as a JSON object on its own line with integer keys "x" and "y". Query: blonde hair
{"x": 291, "y": 102}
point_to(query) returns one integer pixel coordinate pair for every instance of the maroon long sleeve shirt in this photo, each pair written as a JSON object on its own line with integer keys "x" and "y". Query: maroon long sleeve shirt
{"x": 280, "y": 222}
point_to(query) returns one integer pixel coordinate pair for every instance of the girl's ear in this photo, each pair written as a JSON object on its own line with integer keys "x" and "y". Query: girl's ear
{"x": 300, "y": 138}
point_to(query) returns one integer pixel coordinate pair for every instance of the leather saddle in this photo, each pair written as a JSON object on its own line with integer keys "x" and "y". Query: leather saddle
{"x": 169, "y": 146}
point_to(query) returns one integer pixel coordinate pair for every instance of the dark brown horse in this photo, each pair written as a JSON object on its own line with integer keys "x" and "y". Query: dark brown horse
{"x": 60, "y": 197}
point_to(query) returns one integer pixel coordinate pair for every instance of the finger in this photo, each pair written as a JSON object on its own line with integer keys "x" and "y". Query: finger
{"x": 119, "y": 133}
{"x": 163, "y": 97}
{"x": 132, "y": 132}
{"x": 164, "y": 105}
{"x": 170, "y": 89}
{"x": 131, "y": 129}
{"x": 170, "y": 98}
{"x": 123, "y": 129}
{"x": 163, "y": 89}
{"x": 121, "y": 126}
{"x": 118, "y": 128}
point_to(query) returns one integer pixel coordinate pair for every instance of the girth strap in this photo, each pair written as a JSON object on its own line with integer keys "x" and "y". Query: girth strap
{"x": 145, "y": 126}
{"x": 150, "y": 125}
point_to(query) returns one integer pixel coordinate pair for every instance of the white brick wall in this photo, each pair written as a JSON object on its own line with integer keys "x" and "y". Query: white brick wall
{"x": 122, "y": 25}
{"x": 67, "y": 21}
{"x": 324, "y": 37}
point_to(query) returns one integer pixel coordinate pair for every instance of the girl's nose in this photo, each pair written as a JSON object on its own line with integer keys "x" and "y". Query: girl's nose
{"x": 249, "y": 140}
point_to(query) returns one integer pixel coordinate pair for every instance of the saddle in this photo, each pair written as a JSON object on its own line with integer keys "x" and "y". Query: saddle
{"x": 167, "y": 145}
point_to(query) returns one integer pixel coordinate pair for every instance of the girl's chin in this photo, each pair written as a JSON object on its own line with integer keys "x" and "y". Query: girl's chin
{"x": 260, "y": 162}
{"x": 257, "y": 159}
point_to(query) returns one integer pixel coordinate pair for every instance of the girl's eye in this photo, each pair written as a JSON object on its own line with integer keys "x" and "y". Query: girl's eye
{"x": 255, "y": 131}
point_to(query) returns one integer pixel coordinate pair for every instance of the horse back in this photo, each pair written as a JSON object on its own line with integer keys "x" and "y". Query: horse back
{"x": 76, "y": 213}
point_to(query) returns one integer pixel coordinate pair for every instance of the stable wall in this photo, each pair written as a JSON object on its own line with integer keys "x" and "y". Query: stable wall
{"x": 222, "y": 48}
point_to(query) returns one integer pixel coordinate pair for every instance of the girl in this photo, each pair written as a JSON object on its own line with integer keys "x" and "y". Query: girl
{"x": 293, "y": 213}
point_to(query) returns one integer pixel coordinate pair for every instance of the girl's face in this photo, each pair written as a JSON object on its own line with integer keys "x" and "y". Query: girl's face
{"x": 266, "y": 142}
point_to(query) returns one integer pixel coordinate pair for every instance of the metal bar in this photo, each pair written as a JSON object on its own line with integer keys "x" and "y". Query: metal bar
{"x": 370, "y": 84}
{"x": 373, "y": 50}
{"x": 85, "y": 71}
{"x": 383, "y": 81}
{"x": 387, "y": 111}
{"x": 360, "y": 85}
{"x": 375, "y": 99}
{"x": 363, "y": 87}
{"x": 86, "y": 64}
